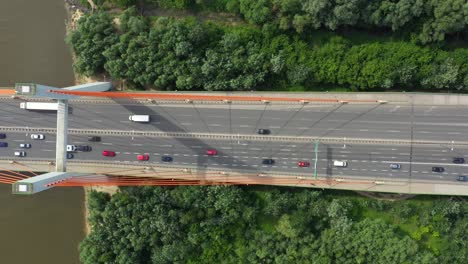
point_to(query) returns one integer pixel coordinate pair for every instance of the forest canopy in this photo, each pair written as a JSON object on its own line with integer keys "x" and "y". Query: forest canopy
{"x": 188, "y": 54}
{"x": 226, "y": 224}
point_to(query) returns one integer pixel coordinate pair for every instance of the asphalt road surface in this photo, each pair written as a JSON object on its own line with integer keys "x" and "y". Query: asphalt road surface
{"x": 369, "y": 161}
{"x": 383, "y": 121}
{"x": 324, "y": 120}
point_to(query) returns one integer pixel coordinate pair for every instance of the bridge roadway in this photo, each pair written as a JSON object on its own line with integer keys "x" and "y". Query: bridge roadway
{"x": 367, "y": 161}
{"x": 329, "y": 120}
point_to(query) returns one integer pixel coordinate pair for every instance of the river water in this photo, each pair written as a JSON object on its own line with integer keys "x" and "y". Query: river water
{"x": 47, "y": 227}
{"x": 32, "y": 47}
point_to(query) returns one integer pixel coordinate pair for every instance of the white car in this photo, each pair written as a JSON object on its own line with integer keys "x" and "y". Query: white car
{"x": 340, "y": 163}
{"x": 20, "y": 153}
{"x": 37, "y": 136}
{"x": 25, "y": 145}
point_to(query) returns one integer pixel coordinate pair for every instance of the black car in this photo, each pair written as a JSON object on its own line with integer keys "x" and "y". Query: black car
{"x": 83, "y": 148}
{"x": 166, "y": 158}
{"x": 70, "y": 155}
{"x": 2, "y": 135}
{"x": 268, "y": 161}
{"x": 437, "y": 169}
{"x": 462, "y": 178}
{"x": 458, "y": 160}
{"x": 263, "y": 131}
{"x": 94, "y": 139}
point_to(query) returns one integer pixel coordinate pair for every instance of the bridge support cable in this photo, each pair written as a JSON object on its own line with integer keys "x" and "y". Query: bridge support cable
{"x": 287, "y": 122}
{"x": 15, "y": 173}
{"x": 259, "y": 120}
{"x": 318, "y": 138}
{"x": 106, "y": 180}
{"x": 27, "y": 168}
{"x": 9, "y": 178}
{"x": 200, "y": 117}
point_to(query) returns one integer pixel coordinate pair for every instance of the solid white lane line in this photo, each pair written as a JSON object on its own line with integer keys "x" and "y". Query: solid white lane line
{"x": 107, "y": 143}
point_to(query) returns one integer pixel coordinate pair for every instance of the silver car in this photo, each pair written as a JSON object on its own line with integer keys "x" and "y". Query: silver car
{"x": 395, "y": 166}
{"x": 25, "y": 145}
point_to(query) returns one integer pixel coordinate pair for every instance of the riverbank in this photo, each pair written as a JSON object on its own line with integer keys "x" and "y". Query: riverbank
{"x": 107, "y": 189}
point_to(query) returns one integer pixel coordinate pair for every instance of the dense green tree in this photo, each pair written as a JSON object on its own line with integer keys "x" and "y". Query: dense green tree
{"x": 370, "y": 241}
{"x": 123, "y": 3}
{"x": 187, "y": 54}
{"x": 226, "y": 224}
{"x": 394, "y": 14}
{"x": 95, "y": 33}
{"x": 237, "y": 63}
{"x": 446, "y": 17}
{"x": 444, "y": 75}
{"x": 257, "y": 12}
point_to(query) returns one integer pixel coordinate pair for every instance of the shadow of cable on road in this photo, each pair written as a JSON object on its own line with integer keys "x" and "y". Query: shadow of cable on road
{"x": 168, "y": 123}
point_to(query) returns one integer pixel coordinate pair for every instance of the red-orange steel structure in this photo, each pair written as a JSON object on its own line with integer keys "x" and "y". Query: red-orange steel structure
{"x": 103, "y": 180}
{"x": 171, "y": 96}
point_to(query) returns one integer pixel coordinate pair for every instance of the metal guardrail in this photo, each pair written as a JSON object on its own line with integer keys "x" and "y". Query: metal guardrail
{"x": 164, "y": 102}
{"x": 243, "y": 137}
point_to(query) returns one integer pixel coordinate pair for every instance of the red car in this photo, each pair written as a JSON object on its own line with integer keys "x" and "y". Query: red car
{"x": 303, "y": 164}
{"x": 211, "y": 152}
{"x": 143, "y": 157}
{"x": 108, "y": 153}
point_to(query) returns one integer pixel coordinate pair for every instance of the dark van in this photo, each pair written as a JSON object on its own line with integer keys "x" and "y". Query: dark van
{"x": 2, "y": 135}
{"x": 3, "y": 144}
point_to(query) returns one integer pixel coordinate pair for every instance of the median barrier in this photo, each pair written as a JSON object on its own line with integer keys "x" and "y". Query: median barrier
{"x": 243, "y": 137}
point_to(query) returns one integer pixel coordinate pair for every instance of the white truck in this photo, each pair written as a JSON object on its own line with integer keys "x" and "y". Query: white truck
{"x": 39, "y": 106}
{"x": 139, "y": 118}
{"x": 71, "y": 148}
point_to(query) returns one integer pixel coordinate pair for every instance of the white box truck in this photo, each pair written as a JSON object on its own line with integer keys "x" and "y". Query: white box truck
{"x": 139, "y": 118}
{"x": 71, "y": 148}
{"x": 39, "y": 106}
